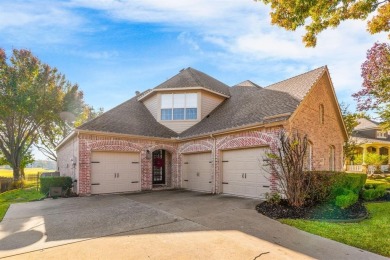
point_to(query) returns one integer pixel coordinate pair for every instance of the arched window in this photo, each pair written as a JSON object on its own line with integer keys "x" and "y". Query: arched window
{"x": 331, "y": 158}
{"x": 322, "y": 120}
{"x": 308, "y": 163}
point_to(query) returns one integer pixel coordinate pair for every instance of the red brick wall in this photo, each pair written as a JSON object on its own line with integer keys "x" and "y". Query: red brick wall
{"x": 322, "y": 136}
{"x": 255, "y": 138}
{"x": 306, "y": 120}
{"x": 90, "y": 143}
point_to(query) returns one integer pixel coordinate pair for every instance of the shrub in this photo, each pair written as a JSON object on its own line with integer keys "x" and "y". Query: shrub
{"x": 374, "y": 193}
{"x": 346, "y": 200}
{"x": 273, "y": 197}
{"x": 350, "y": 181}
{"x": 63, "y": 181}
{"x": 320, "y": 184}
{"x": 335, "y": 187}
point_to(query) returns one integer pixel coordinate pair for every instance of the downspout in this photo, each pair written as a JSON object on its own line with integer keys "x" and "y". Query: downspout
{"x": 214, "y": 163}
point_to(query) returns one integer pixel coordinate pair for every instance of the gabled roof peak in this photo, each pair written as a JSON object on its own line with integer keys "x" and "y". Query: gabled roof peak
{"x": 298, "y": 86}
{"x": 365, "y": 123}
{"x": 191, "y": 78}
{"x": 247, "y": 83}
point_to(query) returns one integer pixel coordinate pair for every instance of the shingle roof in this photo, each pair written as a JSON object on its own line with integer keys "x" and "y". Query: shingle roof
{"x": 300, "y": 85}
{"x": 130, "y": 117}
{"x": 247, "y": 83}
{"x": 190, "y": 77}
{"x": 360, "y": 139}
{"x": 366, "y": 124}
{"x": 246, "y": 106}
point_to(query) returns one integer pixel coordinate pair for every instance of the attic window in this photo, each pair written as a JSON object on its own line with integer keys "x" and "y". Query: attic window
{"x": 381, "y": 134}
{"x": 322, "y": 120}
{"x": 179, "y": 106}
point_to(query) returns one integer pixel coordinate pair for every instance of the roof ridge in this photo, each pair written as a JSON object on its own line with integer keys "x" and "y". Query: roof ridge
{"x": 299, "y": 75}
{"x": 190, "y": 70}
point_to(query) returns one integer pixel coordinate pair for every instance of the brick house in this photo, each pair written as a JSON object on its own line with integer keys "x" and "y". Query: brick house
{"x": 195, "y": 132}
{"x": 370, "y": 138}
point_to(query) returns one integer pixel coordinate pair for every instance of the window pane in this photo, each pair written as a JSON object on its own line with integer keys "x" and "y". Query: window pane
{"x": 191, "y": 113}
{"x": 192, "y": 100}
{"x": 166, "y": 114}
{"x": 166, "y": 101}
{"x": 178, "y": 100}
{"x": 178, "y": 114}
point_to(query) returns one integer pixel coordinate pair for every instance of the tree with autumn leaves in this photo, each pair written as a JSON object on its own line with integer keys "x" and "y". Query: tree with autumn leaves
{"x": 317, "y": 16}
{"x": 375, "y": 93}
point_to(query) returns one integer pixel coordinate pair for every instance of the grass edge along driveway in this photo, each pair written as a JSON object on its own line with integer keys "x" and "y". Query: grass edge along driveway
{"x": 372, "y": 234}
{"x": 16, "y": 196}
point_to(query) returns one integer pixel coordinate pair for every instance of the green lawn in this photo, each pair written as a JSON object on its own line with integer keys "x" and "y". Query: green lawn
{"x": 372, "y": 234}
{"x": 15, "y": 196}
{"x": 385, "y": 182}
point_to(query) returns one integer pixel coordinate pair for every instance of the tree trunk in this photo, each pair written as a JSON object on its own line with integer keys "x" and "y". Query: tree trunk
{"x": 22, "y": 175}
{"x": 16, "y": 171}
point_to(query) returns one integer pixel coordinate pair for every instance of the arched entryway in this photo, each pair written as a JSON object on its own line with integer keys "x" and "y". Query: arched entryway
{"x": 161, "y": 168}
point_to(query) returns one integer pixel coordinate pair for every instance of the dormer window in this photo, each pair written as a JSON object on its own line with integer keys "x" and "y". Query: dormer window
{"x": 179, "y": 106}
{"x": 381, "y": 134}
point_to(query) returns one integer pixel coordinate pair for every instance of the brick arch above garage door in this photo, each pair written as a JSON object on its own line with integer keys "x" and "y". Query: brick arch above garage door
{"x": 248, "y": 139}
{"x": 115, "y": 145}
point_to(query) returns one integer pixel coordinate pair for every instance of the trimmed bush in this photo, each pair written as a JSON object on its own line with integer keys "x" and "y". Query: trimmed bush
{"x": 374, "y": 192}
{"x": 63, "y": 181}
{"x": 347, "y": 200}
{"x": 339, "y": 188}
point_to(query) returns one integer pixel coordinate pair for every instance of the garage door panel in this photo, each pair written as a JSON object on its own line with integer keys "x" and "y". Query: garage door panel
{"x": 197, "y": 171}
{"x": 243, "y": 173}
{"x": 115, "y": 172}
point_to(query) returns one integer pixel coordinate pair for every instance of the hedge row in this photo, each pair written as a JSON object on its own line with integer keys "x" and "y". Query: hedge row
{"x": 63, "y": 181}
{"x": 342, "y": 189}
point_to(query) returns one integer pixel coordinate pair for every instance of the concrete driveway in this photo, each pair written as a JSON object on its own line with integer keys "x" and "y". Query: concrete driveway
{"x": 158, "y": 225}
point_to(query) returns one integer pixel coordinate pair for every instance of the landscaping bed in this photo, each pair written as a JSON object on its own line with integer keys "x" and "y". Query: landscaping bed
{"x": 326, "y": 211}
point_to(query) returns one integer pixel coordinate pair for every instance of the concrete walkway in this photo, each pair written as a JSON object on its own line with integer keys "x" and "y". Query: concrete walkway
{"x": 158, "y": 225}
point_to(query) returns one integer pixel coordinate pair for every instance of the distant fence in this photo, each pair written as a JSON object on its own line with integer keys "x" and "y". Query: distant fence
{"x": 32, "y": 179}
{"x": 5, "y": 183}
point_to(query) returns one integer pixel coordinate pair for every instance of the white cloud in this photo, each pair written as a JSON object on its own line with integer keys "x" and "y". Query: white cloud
{"x": 231, "y": 35}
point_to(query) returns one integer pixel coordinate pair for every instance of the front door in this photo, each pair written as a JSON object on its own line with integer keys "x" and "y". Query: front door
{"x": 159, "y": 167}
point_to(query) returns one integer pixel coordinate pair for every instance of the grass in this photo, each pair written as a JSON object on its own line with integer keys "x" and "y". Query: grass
{"x": 384, "y": 181}
{"x": 8, "y": 173}
{"x": 372, "y": 234}
{"x": 16, "y": 196}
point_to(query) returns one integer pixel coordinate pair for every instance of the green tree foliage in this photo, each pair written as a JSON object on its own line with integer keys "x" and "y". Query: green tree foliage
{"x": 350, "y": 121}
{"x": 30, "y": 92}
{"x": 28, "y": 158}
{"x": 317, "y": 16}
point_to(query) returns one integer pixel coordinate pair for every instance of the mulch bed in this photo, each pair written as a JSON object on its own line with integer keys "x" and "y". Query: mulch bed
{"x": 322, "y": 212}
{"x": 325, "y": 211}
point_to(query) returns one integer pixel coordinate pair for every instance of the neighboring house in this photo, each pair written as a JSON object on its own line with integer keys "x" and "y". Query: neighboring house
{"x": 370, "y": 138}
{"x": 195, "y": 132}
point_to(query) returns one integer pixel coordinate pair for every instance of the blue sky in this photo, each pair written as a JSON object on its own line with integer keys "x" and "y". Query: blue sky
{"x": 114, "y": 48}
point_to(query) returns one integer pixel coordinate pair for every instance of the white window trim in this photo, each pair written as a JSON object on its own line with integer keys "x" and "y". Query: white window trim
{"x": 172, "y": 107}
{"x": 381, "y": 134}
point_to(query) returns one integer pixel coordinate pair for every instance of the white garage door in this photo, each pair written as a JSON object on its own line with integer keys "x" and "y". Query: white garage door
{"x": 115, "y": 172}
{"x": 197, "y": 170}
{"x": 244, "y": 173}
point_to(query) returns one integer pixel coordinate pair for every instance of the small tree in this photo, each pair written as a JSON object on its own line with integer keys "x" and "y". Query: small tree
{"x": 287, "y": 166}
{"x": 376, "y": 160}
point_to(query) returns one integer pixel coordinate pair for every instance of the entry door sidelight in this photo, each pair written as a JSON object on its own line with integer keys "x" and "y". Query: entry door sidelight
{"x": 159, "y": 167}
